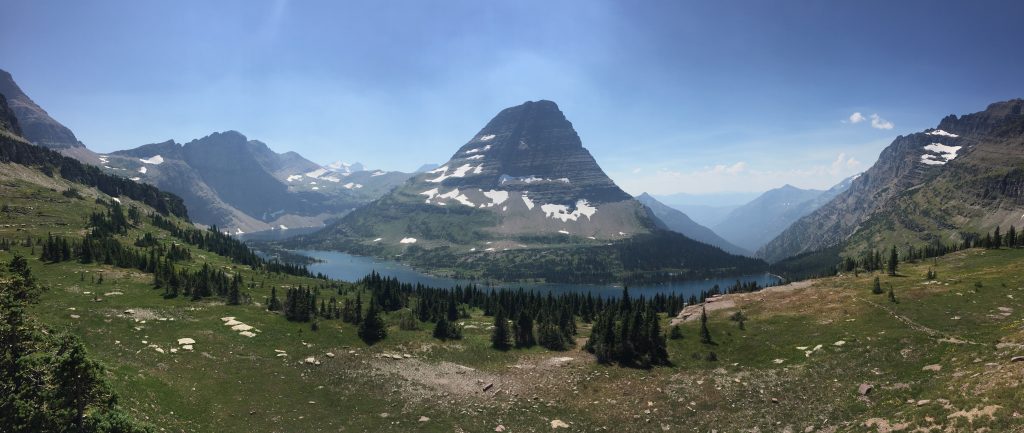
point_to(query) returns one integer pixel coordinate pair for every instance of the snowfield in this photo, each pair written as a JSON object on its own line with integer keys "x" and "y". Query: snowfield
{"x": 155, "y": 160}
{"x": 459, "y": 172}
{"x": 407, "y": 241}
{"x": 487, "y": 137}
{"x": 497, "y": 197}
{"x": 294, "y": 177}
{"x": 561, "y": 212}
{"x": 945, "y": 154}
{"x": 942, "y": 133}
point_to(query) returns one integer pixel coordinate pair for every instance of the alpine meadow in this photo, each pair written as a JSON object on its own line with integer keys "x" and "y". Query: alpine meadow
{"x": 280, "y": 216}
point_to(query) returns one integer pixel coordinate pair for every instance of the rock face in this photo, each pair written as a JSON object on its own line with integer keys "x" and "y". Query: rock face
{"x": 679, "y": 222}
{"x": 940, "y": 185}
{"x": 243, "y": 186}
{"x": 8, "y": 121}
{"x": 520, "y": 189}
{"x": 36, "y": 124}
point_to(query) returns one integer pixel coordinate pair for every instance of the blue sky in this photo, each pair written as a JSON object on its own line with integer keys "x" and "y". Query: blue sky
{"x": 673, "y": 96}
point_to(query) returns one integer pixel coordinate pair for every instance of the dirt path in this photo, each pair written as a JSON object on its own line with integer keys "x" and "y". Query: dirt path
{"x": 933, "y": 333}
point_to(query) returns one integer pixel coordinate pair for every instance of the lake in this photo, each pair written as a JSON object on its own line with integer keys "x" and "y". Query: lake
{"x": 348, "y": 267}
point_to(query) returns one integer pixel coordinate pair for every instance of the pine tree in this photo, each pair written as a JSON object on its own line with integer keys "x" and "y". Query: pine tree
{"x": 372, "y": 328}
{"x": 893, "y": 261}
{"x": 877, "y": 288}
{"x": 234, "y": 294}
{"x": 357, "y": 310}
{"x": 997, "y": 239}
{"x": 1011, "y": 237}
{"x": 705, "y": 334}
{"x": 523, "y": 330}
{"x": 441, "y": 329}
{"x": 79, "y": 381}
{"x": 676, "y": 333}
{"x": 500, "y": 335}
{"x": 273, "y": 304}
{"x": 892, "y": 295}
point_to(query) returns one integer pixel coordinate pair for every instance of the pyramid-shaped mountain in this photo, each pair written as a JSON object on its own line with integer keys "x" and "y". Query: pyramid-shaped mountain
{"x": 522, "y": 187}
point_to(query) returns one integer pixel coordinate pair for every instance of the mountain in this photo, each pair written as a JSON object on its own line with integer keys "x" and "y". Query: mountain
{"x": 754, "y": 224}
{"x": 680, "y": 223}
{"x": 940, "y": 185}
{"x": 522, "y": 199}
{"x": 36, "y": 124}
{"x": 241, "y": 185}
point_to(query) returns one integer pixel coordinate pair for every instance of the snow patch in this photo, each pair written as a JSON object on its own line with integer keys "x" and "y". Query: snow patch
{"x": 239, "y": 231}
{"x": 377, "y": 173}
{"x": 116, "y": 199}
{"x": 294, "y": 177}
{"x": 155, "y": 160}
{"x": 478, "y": 150}
{"x": 331, "y": 179}
{"x": 945, "y": 154}
{"x": 561, "y": 212}
{"x": 476, "y": 157}
{"x": 563, "y": 232}
{"x": 530, "y": 179}
{"x": 136, "y": 179}
{"x": 459, "y": 172}
{"x": 351, "y": 185}
{"x": 527, "y": 201}
{"x": 316, "y": 188}
{"x": 497, "y": 197}
{"x": 377, "y": 240}
{"x": 317, "y": 173}
{"x": 430, "y": 193}
{"x": 487, "y": 137}
{"x": 942, "y": 133}
{"x": 143, "y": 170}
{"x": 407, "y": 241}
{"x": 461, "y": 198}
{"x": 282, "y": 227}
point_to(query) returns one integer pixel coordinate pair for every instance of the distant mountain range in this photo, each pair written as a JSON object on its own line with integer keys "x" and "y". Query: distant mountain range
{"x": 679, "y": 222}
{"x": 754, "y": 224}
{"x": 941, "y": 185}
{"x": 523, "y": 199}
{"x": 225, "y": 179}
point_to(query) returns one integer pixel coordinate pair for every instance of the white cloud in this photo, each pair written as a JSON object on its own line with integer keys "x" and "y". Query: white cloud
{"x": 729, "y": 169}
{"x": 877, "y": 121}
{"x": 880, "y": 123}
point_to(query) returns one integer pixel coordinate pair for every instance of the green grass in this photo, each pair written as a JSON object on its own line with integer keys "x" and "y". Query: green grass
{"x": 231, "y": 383}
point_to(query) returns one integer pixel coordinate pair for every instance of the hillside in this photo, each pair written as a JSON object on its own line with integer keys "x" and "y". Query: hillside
{"x": 524, "y": 200}
{"x": 941, "y": 186}
{"x": 762, "y": 219}
{"x": 940, "y": 358}
{"x": 679, "y": 222}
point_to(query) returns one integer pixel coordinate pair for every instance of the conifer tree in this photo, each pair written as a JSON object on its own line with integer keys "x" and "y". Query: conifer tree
{"x": 705, "y": 334}
{"x": 877, "y": 287}
{"x": 500, "y": 335}
{"x": 893, "y": 261}
{"x": 273, "y": 304}
{"x": 523, "y": 330}
{"x": 676, "y": 333}
{"x": 892, "y": 295}
{"x": 372, "y": 328}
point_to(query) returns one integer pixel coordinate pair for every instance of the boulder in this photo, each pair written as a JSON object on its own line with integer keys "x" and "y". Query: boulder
{"x": 865, "y": 389}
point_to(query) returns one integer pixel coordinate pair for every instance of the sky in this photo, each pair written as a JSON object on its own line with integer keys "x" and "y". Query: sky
{"x": 669, "y": 96}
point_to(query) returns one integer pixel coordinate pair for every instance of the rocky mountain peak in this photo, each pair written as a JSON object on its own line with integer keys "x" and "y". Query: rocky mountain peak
{"x": 529, "y": 147}
{"x": 36, "y": 124}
